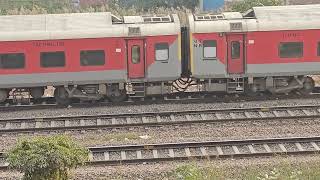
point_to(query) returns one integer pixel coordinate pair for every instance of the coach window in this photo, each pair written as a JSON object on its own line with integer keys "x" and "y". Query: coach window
{"x": 210, "y": 49}
{"x": 291, "y": 49}
{"x": 235, "y": 49}
{"x": 135, "y": 54}
{"x": 92, "y": 58}
{"x": 162, "y": 51}
{"x": 318, "y": 48}
{"x": 12, "y": 61}
{"x": 52, "y": 59}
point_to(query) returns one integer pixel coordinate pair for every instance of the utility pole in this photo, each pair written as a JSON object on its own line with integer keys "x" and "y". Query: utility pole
{"x": 76, "y": 3}
{"x": 287, "y": 2}
{"x": 201, "y": 5}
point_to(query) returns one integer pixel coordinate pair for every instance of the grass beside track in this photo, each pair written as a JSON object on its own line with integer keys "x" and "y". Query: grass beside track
{"x": 279, "y": 168}
{"x": 284, "y": 171}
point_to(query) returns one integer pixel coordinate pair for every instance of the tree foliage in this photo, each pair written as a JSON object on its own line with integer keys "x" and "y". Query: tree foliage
{"x": 152, "y": 4}
{"x": 50, "y": 6}
{"x": 66, "y": 6}
{"x": 243, "y": 6}
{"x": 47, "y": 158}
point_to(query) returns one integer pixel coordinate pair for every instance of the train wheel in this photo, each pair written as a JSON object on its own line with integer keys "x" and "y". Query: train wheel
{"x": 61, "y": 95}
{"x": 37, "y": 93}
{"x": 117, "y": 95}
{"x": 308, "y": 86}
{"x": 3, "y": 95}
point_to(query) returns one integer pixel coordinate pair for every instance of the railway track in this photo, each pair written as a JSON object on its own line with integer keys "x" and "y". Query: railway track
{"x": 135, "y": 154}
{"x": 93, "y": 122}
{"x": 49, "y": 102}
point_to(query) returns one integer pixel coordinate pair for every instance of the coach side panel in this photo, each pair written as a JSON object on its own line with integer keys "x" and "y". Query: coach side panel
{"x": 208, "y": 55}
{"x": 283, "y": 53}
{"x": 163, "y": 57}
{"x": 33, "y": 74}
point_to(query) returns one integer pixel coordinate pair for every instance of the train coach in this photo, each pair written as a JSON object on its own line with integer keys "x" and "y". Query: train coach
{"x": 89, "y": 56}
{"x": 94, "y": 56}
{"x": 270, "y": 49}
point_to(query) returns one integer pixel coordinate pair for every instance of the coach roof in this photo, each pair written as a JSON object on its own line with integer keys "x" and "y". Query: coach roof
{"x": 296, "y": 12}
{"x": 268, "y": 18}
{"x": 80, "y": 25}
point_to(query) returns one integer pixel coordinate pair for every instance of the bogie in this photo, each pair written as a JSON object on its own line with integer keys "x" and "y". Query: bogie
{"x": 3, "y": 95}
{"x": 37, "y": 93}
{"x": 62, "y": 96}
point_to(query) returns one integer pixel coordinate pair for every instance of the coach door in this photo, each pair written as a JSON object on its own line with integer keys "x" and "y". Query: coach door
{"x": 136, "y": 59}
{"x": 236, "y": 59}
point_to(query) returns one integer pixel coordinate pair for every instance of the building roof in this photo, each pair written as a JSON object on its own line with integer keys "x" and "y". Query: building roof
{"x": 304, "y": 2}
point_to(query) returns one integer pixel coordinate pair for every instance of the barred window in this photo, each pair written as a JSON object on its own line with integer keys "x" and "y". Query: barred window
{"x": 92, "y": 58}
{"x": 162, "y": 51}
{"x": 235, "y": 49}
{"x": 12, "y": 61}
{"x": 52, "y": 59}
{"x": 209, "y": 49}
{"x": 291, "y": 49}
{"x": 135, "y": 54}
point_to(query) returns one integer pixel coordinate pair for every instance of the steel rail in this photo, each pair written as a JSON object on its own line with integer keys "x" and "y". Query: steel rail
{"x": 137, "y": 154}
{"x": 166, "y": 118}
{"x": 198, "y": 98}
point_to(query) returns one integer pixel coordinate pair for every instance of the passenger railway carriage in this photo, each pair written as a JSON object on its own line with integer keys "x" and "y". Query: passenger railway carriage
{"x": 92, "y": 56}
{"x": 267, "y": 48}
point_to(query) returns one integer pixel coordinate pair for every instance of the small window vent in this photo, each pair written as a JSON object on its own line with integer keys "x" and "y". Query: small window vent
{"x": 116, "y": 20}
{"x": 209, "y": 17}
{"x": 134, "y": 31}
{"x": 157, "y": 19}
{"x": 236, "y": 26}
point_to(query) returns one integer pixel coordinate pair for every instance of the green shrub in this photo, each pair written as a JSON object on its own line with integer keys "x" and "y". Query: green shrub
{"x": 47, "y": 158}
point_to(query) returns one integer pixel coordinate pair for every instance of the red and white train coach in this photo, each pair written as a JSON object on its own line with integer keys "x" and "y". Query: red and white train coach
{"x": 98, "y": 55}
{"x": 267, "y": 49}
{"x": 89, "y": 56}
